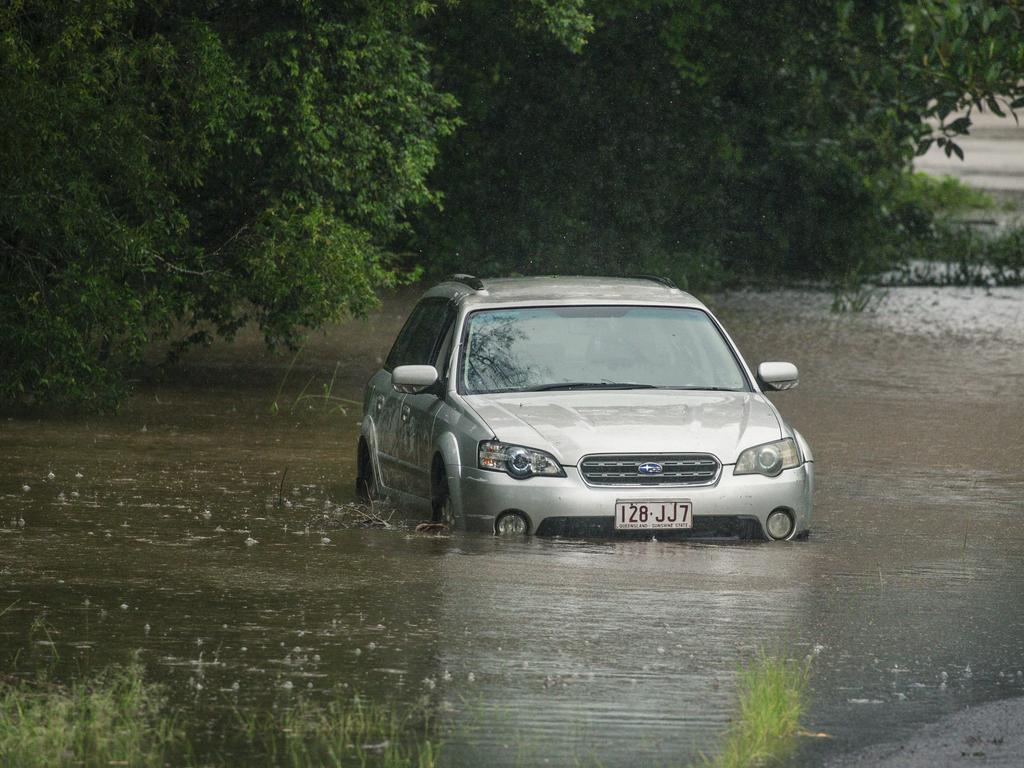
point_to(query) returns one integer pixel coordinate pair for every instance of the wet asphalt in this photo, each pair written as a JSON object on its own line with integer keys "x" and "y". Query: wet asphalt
{"x": 988, "y": 734}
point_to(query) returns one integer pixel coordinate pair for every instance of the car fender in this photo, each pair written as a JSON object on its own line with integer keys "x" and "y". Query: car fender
{"x": 447, "y": 445}
{"x": 805, "y": 448}
{"x": 368, "y": 432}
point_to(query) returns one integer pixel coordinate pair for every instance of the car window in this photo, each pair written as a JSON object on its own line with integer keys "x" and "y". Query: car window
{"x": 421, "y": 336}
{"x": 530, "y": 348}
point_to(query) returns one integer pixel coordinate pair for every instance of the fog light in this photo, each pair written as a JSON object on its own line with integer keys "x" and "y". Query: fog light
{"x": 779, "y": 524}
{"x": 511, "y": 524}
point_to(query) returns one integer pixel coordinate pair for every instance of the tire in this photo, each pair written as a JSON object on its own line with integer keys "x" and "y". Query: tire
{"x": 366, "y": 478}
{"x": 441, "y": 501}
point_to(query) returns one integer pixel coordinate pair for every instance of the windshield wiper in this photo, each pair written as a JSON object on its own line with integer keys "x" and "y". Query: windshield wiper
{"x": 589, "y": 385}
{"x": 707, "y": 389}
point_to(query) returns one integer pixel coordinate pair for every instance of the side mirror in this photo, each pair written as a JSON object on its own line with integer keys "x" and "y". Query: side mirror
{"x": 413, "y": 379}
{"x": 777, "y": 376}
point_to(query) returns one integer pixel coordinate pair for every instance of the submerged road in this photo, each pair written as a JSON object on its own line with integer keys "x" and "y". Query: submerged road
{"x": 908, "y": 597}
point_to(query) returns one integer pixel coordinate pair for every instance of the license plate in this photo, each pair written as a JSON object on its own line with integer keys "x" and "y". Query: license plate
{"x": 653, "y": 515}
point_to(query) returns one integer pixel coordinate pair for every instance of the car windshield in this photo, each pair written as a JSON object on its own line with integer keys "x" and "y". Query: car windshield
{"x": 598, "y": 347}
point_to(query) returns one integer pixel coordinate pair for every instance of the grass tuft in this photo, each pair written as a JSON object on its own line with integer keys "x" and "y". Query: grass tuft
{"x": 115, "y": 721}
{"x": 944, "y": 194}
{"x": 772, "y": 697}
{"x": 120, "y": 719}
{"x": 341, "y": 733}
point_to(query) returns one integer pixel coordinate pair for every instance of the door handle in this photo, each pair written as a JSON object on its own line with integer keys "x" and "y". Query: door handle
{"x": 406, "y": 412}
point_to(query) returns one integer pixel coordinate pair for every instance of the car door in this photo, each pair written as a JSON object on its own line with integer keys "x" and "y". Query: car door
{"x": 418, "y": 415}
{"x": 386, "y": 402}
{"x": 416, "y": 344}
{"x": 386, "y": 405}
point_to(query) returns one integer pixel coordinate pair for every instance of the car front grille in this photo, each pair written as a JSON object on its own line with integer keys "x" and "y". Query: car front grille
{"x": 676, "y": 469}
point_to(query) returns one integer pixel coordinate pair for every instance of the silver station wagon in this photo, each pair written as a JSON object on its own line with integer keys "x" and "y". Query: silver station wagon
{"x": 581, "y": 406}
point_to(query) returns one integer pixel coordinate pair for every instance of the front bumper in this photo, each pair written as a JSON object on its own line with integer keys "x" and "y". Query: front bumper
{"x": 734, "y": 507}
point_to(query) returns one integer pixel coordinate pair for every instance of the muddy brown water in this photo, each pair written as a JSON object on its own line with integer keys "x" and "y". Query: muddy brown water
{"x": 909, "y": 594}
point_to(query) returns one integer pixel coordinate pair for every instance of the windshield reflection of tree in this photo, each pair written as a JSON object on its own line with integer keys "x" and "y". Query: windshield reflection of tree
{"x": 495, "y": 359}
{"x": 523, "y": 349}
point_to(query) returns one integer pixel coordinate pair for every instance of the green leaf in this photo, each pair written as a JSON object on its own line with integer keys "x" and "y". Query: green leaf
{"x": 960, "y": 125}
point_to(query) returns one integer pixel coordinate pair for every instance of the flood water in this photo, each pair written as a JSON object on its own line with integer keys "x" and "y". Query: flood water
{"x": 125, "y": 536}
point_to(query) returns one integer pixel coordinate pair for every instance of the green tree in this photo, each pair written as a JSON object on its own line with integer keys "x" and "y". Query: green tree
{"x": 713, "y": 141}
{"x": 204, "y": 164}
{"x": 200, "y": 162}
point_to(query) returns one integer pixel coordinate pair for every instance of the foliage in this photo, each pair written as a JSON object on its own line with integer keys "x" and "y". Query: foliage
{"x": 117, "y": 720}
{"x": 180, "y": 169}
{"x": 919, "y": 203}
{"x": 199, "y": 164}
{"x": 566, "y": 162}
{"x": 772, "y": 698}
{"x": 342, "y": 733}
{"x": 943, "y": 246}
{"x": 945, "y": 195}
{"x": 957, "y": 253}
{"x": 711, "y": 141}
{"x": 954, "y": 54}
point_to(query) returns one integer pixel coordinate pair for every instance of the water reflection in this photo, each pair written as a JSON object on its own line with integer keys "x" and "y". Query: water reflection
{"x": 629, "y": 658}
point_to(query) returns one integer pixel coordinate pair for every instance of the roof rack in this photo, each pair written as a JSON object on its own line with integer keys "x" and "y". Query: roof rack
{"x": 473, "y": 282}
{"x": 657, "y": 279}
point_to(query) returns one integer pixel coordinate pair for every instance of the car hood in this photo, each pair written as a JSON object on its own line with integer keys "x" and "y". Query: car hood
{"x": 573, "y": 424}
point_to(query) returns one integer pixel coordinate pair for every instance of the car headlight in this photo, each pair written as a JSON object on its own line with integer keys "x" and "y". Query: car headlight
{"x": 768, "y": 459}
{"x": 518, "y": 461}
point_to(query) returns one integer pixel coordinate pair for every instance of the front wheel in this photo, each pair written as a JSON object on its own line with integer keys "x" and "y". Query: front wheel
{"x": 366, "y": 478}
{"x": 441, "y": 501}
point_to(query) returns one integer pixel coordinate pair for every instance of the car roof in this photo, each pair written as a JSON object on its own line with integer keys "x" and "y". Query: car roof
{"x": 558, "y": 290}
